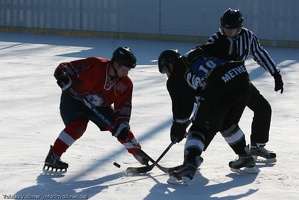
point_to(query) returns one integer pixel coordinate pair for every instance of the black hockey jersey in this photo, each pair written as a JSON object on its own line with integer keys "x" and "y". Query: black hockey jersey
{"x": 206, "y": 76}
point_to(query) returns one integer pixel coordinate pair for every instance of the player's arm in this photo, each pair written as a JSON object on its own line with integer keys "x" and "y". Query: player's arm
{"x": 182, "y": 106}
{"x": 262, "y": 57}
{"x": 123, "y": 109}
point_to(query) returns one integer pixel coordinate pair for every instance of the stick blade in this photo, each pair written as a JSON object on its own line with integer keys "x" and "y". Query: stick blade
{"x": 139, "y": 170}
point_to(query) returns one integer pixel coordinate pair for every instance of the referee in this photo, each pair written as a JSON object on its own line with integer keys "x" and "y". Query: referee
{"x": 248, "y": 44}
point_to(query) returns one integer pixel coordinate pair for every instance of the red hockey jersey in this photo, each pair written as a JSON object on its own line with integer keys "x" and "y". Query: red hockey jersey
{"x": 90, "y": 79}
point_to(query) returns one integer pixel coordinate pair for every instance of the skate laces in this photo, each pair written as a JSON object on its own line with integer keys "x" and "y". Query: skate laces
{"x": 262, "y": 149}
{"x": 243, "y": 160}
{"x": 240, "y": 158}
{"x": 55, "y": 159}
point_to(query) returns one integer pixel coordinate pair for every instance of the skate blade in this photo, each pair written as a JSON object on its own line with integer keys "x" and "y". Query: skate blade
{"x": 259, "y": 159}
{"x": 53, "y": 170}
{"x": 183, "y": 181}
{"x": 246, "y": 170}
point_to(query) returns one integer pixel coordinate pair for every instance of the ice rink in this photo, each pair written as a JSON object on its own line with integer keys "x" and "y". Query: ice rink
{"x": 30, "y": 123}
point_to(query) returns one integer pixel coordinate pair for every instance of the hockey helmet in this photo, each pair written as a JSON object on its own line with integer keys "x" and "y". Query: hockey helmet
{"x": 124, "y": 56}
{"x": 166, "y": 57}
{"x": 231, "y": 19}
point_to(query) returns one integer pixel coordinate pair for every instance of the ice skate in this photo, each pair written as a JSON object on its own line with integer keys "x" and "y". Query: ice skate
{"x": 245, "y": 164}
{"x": 262, "y": 155}
{"x": 54, "y": 164}
{"x": 184, "y": 175}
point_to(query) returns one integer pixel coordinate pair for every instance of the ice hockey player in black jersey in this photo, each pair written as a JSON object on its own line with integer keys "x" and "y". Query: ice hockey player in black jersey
{"x": 223, "y": 88}
{"x": 247, "y": 44}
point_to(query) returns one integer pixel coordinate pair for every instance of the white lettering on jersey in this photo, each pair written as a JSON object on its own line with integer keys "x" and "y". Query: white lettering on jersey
{"x": 233, "y": 73}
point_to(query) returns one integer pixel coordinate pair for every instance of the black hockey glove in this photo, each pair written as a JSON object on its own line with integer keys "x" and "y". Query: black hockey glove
{"x": 63, "y": 79}
{"x": 278, "y": 82}
{"x": 177, "y": 132}
{"x": 121, "y": 130}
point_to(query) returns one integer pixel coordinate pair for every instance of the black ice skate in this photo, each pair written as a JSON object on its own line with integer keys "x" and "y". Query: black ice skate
{"x": 244, "y": 163}
{"x": 262, "y": 155}
{"x": 53, "y": 163}
{"x": 184, "y": 175}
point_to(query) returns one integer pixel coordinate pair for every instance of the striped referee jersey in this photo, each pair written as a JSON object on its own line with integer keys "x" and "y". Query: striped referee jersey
{"x": 248, "y": 44}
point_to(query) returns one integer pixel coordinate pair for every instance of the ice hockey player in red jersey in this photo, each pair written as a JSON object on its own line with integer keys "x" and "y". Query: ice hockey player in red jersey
{"x": 106, "y": 85}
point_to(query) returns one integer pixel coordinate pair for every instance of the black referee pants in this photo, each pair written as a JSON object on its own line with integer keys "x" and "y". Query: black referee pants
{"x": 262, "y": 116}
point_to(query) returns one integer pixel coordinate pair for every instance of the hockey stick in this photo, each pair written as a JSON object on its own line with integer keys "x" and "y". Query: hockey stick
{"x": 144, "y": 169}
{"x": 110, "y": 126}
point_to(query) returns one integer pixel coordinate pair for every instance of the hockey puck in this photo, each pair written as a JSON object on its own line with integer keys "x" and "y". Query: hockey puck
{"x": 116, "y": 164}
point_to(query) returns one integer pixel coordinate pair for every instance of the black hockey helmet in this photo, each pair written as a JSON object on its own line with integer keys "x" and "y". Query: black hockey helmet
{"x": 166, "y": 57}
{"x": 124, "y": 56}
{"x": 231, "y": 19}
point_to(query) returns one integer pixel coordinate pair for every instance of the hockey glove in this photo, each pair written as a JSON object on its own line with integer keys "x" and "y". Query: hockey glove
{"x": 278, "y": 82}
{"x": 121, "y": 130}
{"x": 177, "y": 132}
{"x": 63, "y": 79}
{"x": 141, "y": 158}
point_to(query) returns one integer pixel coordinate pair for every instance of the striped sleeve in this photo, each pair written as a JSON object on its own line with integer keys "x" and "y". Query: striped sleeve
{"x": 261, "y": 56}
{"x": 248, "y": 44}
